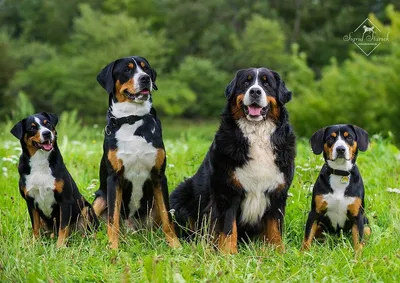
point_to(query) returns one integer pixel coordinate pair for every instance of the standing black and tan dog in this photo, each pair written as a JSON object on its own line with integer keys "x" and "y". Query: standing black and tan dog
{"x": 133, "y": 184}
{"x": 244, "y": 179}
{"x": 338, "y": 194}
{"x": 45, "y": 183}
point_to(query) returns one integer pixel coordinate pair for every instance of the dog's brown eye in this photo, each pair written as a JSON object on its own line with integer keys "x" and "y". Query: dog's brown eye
{"x": 126, "y": 70}
{"x": 349, "y": 138}
{"x": 246, "y": 83}
{"x": 266, "y": 84}
{"x": 330, "y": 139}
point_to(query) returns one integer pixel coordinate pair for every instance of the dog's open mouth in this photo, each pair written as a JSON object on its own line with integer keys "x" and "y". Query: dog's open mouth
{"x": 254, "y": 110}
{"x": 46, "y": 145}
{"x": 142, "y": 95}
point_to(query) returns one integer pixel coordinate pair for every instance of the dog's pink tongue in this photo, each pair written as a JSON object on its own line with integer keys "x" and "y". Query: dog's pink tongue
{"x": 47, "y": 146}
{"x": 254, "y": 110}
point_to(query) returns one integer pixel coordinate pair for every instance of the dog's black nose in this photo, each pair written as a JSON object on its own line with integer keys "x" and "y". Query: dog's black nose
{"x": 145, "y": 79}
{"x": 46, "y": 135}
{"x": 340, "y": 150}
{"x": 255, "y": 93}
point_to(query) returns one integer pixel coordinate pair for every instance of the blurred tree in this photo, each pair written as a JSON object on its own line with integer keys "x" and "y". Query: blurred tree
{"x": 207, "y": 82}
{"x": 362, "y": 91}
{"x": 262, "y": 45}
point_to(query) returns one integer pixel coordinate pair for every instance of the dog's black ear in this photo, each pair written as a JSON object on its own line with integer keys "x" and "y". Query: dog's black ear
{"x": 230, "y": 88}
{"x": 362, "y": 137}
{"x": 18, "y": 129}
{"x": 284, "y": 95}
{"x": 105, "y": 78}
{"x": 317, "y": 141}
{"x": 153, "y": 78}
{"x": 53, "y": 118}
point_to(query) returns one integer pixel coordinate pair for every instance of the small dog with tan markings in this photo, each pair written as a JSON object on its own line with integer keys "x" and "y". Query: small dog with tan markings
{"x": 53, "y": 199}
{"x": 338, "y": 194}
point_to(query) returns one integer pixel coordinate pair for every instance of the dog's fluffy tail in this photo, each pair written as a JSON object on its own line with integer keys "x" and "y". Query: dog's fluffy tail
{"x": 181, "y": 200}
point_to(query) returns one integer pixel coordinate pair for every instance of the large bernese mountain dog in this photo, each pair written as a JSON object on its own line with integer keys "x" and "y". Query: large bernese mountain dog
{"x": 243, "y": 182}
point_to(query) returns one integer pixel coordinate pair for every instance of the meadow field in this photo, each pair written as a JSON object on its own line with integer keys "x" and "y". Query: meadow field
{"x": 144, "y": 256}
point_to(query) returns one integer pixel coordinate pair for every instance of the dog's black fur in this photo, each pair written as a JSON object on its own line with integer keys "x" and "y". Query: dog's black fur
{"x": 340, "y": 145}
{"x": 214, "y": 189}
{"x": 64, "y": 203}
{"x": 129, "y": 82}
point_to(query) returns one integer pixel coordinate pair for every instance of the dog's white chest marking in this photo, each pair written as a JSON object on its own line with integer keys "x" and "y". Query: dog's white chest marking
{"x": 40, "y": 182}
{"x": 337, "y": 202}
{"x": 260, "y": 174}
{"x": 138, "y": 157}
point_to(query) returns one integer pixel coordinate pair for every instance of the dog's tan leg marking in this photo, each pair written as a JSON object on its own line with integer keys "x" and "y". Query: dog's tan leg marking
{"x": 62, "y": 233}
{"x": 272, "y": 234}
{"x": 99, "y": 205}
{"x": 59, "y": 186}
{"x": 320, "y": 204}
{"x": 113, "y": 226}
{"x": 356, "y": 238}
{"x": 115, "y": 162}
{"x": 167, "y": 225}
{"x": 354, "y": 208}
{"x": 36, "y": 223}
{"x": 307, "y": 241}
{"x": 160, "y": 158}
{"x": 228, "y": 243}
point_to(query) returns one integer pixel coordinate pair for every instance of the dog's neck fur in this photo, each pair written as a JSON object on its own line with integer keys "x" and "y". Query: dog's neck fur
{"x": 123, "y": 109}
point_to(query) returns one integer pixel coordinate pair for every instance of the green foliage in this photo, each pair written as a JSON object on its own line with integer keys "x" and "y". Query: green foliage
{"x": 362, "y": 91}
{"x": 25, "y": 107}
{"x": 53, "y": 50}
{"x": 262, "y": 44}
{"x": 173, "y": 98}
{"x": 206, "y": 81}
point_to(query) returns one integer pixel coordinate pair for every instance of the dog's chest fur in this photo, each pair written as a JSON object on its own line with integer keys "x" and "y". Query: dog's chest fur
{"x": 40, "y": 182}
{"x": 260, "y": 174}
{"x": 337, "y": 202}
{"x": 138, "y": 158}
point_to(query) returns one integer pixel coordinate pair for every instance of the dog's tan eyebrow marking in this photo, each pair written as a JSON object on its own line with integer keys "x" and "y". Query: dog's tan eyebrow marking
{"x": 345, "y": 134}
{"x": 44, "y": 122}
{"x": 334, "y": 135}
{"x": 264, "y": 77}
{"x": 130, "y": 65}
{"x": 142, "y": 64}
{"x": 249, "y": 77}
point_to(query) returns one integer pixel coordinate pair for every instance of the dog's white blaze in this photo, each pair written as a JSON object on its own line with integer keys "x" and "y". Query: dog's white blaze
{"x": 260, "y": 174}
{"x": 337, "y": 201}
{"x": 138, "y": 157}
{"x": 138, "y": 73}
{"x": 263, "y": 99}
{"x": 340, "y": 163}
{"x": 42, "y": 129}
{"x": 40, "y": 182}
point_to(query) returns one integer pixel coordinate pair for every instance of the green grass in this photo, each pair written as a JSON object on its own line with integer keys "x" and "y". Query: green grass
{"x": 144, "y": 256}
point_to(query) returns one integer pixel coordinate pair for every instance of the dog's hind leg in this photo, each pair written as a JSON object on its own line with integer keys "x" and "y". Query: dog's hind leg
{"x": 65, "y": 218}
{"x": 311, "y": 229}
{"x": 100, "y": 202}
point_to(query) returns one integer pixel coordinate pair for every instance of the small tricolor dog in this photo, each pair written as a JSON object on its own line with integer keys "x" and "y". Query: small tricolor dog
{"x": 244, "y": 179}
{"x": 53, "y": 199}
{"x": 133, "y": 185}
{"x": 338, "y": 194}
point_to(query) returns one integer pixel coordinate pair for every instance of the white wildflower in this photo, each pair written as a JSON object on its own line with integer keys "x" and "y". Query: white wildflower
{"x": 393, "y": 190}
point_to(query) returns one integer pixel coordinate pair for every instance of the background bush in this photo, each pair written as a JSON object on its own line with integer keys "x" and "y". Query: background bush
{"x": 52, "y": 51}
